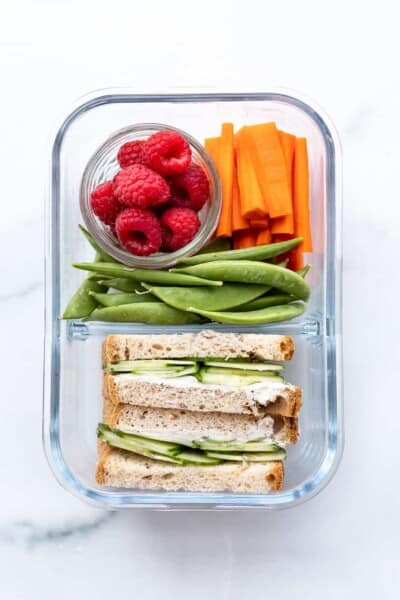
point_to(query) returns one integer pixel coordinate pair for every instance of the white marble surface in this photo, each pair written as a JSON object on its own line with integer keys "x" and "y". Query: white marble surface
{"x": 345, "y": 542}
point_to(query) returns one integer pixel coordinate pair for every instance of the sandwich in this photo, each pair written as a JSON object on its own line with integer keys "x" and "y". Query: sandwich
{"x": 204, "y": 411}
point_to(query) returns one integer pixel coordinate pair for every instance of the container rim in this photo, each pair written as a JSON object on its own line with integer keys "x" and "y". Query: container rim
{"x": 332, "y": 327}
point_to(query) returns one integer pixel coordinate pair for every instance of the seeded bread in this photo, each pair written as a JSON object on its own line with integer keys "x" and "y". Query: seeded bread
{"x": 257, "y": 400}
{"x": 190, "y": 425}
{"x": 117, "y": 468}
{"x": 198, "y": 345}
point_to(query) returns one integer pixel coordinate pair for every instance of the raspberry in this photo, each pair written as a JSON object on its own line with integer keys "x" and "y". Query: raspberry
{"x": 131, "y": 153}
{"x": 104, "y": 204}
{"x": 179, "y": 226}
{"x": 167, "y": 152}
{"x": 190, "y": 189}
{"x": 139, "y": 186}
{"x": 139, "y": 231}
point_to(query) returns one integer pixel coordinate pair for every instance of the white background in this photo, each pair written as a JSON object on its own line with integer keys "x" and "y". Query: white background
{"x": 344, "y": 543}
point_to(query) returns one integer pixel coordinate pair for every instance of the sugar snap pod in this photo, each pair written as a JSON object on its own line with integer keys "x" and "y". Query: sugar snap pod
{"x": 118, "y": 299}
{"x": 254, "y": 253}
{"x": 156, "y": 313}
{"x": 251, "y": 272}
{"x": 148, "y": 275}
{"x": 271, "y": 314}
{"x": 230, "y": 295}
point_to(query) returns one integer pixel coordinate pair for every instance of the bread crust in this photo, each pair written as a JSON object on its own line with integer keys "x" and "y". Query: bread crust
{"x": 197, "y": 345}
{"x": 117, "y": 468}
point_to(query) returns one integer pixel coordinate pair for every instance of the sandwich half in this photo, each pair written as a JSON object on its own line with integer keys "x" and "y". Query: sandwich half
{"x": 198, "y": 412}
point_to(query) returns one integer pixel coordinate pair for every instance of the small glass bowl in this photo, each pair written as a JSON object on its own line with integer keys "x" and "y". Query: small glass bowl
{"x": 103, "y": 165}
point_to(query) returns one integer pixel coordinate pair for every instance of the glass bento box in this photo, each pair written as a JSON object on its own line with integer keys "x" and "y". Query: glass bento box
{"x": 72, "y": 394}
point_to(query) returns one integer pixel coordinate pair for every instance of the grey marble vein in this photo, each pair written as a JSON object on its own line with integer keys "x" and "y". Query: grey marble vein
{"x": 29, "y": 534}
{"x": 29, "y": 289}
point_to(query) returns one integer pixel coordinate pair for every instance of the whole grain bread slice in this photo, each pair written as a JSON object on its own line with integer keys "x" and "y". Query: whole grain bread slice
{"x": 174, "y": 424}
{"x": 204, "y": 344}
{"x": 261, "y": 399}
{"x": 117, "y": 468}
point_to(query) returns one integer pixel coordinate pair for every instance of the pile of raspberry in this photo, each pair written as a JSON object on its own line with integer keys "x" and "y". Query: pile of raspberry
{"x": 151, "y": 204}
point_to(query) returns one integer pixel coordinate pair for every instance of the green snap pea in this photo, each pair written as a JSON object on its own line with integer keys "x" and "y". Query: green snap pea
{"x": 265, "y": 302}
{"x": 222, "y": 298}
{"x": 82, "y": 303}
{"x": 252, "y": 272}
{"x": 101, "y": 255}
{"x": 96, "y": 277}
{"x": 253, "y": 253}
{"x": 156, "y": 313}
{"x": 118, "y": 299}
{"x": 147, "y": 275}
{"x": 217, "y": 245}
{"x": 256, "y": 317}
{"x": 303, "y": 272}
{"x": 121, "y": 284}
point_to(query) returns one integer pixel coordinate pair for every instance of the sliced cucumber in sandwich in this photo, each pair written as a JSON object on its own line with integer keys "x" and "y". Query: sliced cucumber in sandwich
{"x": 167, "y": 373}
{"x": 236, "y": 377}
{"x": 191, "y": 457}
{"x": 126, "y": 366}
{"x": 249, "y": 457}
{"x": 234, "y": 446}
{"x": 209, "y": 453}
{"x": 247, "y": 366}
{"x": 155, "y": 449}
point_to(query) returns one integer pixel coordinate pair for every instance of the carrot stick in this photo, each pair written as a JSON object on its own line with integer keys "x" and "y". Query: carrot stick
{"x": 212, "y": 147}
{"x": 225, "y": 170}
{"x": 301, "y": 202}
{"x": 244, "y": 239}
{"x": 263, "y": 237}
{"x": 285, "y": 224}
{"x": 238, "y": 222}
{"x": 270, "y": 166}
{"x": 260, "y": 223}
{"x": 252, "y": 205}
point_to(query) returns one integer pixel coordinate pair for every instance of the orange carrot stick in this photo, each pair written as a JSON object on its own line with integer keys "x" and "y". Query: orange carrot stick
{"x": 270, "y": 166}
{"x": 285, "y": 224}
{"x": 252, "y": 204}
{"x": 212, "y": 147}
{"x": 238, "y": 222}
{"x": 260, "y": 223}
{"x": 301, "y": 196}
{"x": 263, "y": 237}
{"x": 244, "y": 239}
{"x": 225, "y": 169}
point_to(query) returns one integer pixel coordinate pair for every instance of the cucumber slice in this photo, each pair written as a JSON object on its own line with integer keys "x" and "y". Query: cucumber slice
{"x": 191, "y": 457}
{"x": 236, "y": 378}
{"x": 243, "y": 365}
{"x": 233, "y": 446}
{"x": 227, "y": 371}
{"x": 157, "y": 450}
{"x": 165, "y": 437}
{"x": 147, "y": 365}
{"x": 249, "y": 457}
{"x": 218, "y": 359}
{"x": 168, "y": 373}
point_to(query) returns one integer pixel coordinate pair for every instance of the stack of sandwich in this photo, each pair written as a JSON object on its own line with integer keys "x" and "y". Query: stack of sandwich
{"x": 201, "y": 411}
